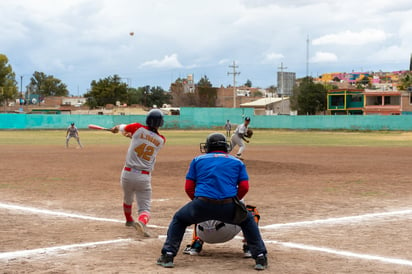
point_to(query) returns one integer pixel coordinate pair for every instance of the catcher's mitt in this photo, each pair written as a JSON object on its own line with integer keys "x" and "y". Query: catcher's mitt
{"x": 249, "y": 133}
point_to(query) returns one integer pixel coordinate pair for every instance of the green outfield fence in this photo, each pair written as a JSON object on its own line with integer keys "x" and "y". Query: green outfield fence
{"x": 201, "y": 118}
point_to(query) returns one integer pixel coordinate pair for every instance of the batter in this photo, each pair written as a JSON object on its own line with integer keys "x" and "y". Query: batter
{"x": 136, "y": 177}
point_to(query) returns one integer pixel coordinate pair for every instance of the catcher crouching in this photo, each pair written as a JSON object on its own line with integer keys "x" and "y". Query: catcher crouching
{"x": 215, "y": 182}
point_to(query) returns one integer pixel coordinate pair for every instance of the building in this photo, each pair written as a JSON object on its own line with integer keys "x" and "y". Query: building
{"x": 382, "y": 102}
{"x": 269, "y": 106}
{"x": 345, "y": 101}
{"x": 367, "y": 102}
{"x": 286, "y": 82}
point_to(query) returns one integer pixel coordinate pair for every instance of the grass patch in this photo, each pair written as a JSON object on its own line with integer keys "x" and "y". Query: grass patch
{"x": 194, "y": 137}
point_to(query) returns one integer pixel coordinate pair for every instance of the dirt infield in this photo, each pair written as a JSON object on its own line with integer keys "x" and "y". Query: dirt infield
{"x": 298, "y": 190}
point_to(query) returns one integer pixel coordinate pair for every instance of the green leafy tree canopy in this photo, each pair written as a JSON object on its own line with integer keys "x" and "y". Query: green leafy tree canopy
{"x": 204, "y": 82}
{"x": 309, "y": 97}
{"x": 47, "y": 85}
{"x": 106, "y": 91}
{"x": 8, "y": 84}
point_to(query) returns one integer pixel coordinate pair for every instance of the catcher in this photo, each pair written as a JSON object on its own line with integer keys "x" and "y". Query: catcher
{"x": 213, "y": 232}
{"x": 241, "y": 133}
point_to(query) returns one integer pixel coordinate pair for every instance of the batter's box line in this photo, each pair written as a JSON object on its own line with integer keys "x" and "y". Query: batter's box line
{"x": 63, "y": 214}
{"x": 53, "y": 250}
{"x": 344, "y": 253}
{"x": 339, "y": 220}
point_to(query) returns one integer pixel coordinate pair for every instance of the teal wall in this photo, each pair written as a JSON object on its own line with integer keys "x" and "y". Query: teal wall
{"x": 197, "y": 118}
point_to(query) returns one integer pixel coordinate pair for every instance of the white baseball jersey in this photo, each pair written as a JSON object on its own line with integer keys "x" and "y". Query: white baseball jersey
{"x": 72, "y": 131}
{"x": 143, "y": 148}
{"x": 216, "y": 231}
{"x": 241, "y": 130}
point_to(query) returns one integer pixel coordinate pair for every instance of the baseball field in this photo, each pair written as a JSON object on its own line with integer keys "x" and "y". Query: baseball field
{"x": 330, "y": 202}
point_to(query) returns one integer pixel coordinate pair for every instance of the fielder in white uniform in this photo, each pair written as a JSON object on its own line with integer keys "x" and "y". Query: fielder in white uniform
{"x": 239, "y": 136}
{"x": 72, "y": 132}
{"x": 140, "y": 160}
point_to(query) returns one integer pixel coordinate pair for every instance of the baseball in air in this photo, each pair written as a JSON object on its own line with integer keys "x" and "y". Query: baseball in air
{"x": 131, "y": 33}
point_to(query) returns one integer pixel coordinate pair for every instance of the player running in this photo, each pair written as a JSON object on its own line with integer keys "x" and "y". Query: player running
{"x": 140, "y": 160}
{"x": 239, "y": 136}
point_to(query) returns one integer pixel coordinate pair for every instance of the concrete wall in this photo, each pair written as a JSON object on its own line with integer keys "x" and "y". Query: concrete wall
{"x": 197, "y": 118}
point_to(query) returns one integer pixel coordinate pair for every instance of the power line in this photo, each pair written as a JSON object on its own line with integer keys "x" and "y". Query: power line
{"x": 234, "y": 73}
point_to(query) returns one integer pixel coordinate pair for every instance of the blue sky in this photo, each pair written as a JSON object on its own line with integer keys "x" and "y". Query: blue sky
{"x": 79, "y": 41}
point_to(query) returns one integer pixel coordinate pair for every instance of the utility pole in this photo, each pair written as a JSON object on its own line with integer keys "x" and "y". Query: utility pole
{"x": 234, "y": 73}
{"x": 307, "y": 57}
{"x": 281, "y": 83}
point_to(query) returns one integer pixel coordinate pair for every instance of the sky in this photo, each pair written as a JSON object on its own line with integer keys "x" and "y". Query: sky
{"x": 155, "y": 42}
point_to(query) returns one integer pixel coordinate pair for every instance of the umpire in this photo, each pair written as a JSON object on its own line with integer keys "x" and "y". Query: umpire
{"x": 212, "y": 181}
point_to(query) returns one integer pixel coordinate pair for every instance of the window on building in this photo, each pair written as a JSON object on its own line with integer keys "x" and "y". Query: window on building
{"x": 337, "y": 100}
{"x": 357, "y": 98}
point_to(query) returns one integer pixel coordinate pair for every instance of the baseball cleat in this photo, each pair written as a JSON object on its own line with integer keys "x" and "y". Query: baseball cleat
{"x": 193, "y": 249}
{"x": 261, "y": 262}
{"x": 130, "y": 223}
{"x": 239, "y": 156}
{"x": 246, "y": 252}
{"x": 166, "y": 260}
{"x": 141, "y": 229}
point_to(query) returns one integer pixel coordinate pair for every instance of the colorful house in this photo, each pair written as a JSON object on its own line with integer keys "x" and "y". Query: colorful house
{"x": 364, "y": 102}
{"x": 382, "y": 102}
{"x": 345, "y": 101}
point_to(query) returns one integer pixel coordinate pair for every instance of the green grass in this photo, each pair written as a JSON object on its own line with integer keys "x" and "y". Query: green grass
{"x": 194, "y": 137}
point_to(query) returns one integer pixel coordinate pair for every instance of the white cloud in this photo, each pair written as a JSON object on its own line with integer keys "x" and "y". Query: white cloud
{"x": 223, "y": 61}
{"x": 352, "y": 38}
{"x": 82, "y": 40}
{"x": 270, "y": 57}
{"x": 323, "y": 57}
{"x": 169, "y": 61}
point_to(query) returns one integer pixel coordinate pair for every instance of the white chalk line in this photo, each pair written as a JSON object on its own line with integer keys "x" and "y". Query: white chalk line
{"x": 63, "y": 214}
{"x": 344, "y": 253}
{"x": 349, "y": 219}
{"x": 274, "y": 226}
{"x": 52, "y": 250}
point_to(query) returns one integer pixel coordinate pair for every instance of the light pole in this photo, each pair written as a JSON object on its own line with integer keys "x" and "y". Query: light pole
{"x": 234, "y": 73}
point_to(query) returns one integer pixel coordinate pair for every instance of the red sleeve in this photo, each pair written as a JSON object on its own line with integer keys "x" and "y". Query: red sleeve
{"x": 243, "y": 188}
{"x": 133, "y": 127}
{"x": 190, "y": 188}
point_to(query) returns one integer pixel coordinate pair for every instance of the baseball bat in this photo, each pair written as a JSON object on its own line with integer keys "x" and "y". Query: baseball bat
{"x": 98, "y": 127}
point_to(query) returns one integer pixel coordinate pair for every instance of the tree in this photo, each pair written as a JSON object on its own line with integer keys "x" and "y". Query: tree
{"x": 106, "y": 91}
{"x": 309, "y": 98}
{"x": 410, "y": 64}
{"x": 272, "y": 90}
{"x": 8, "y": 84}
{"x": 405, "y": 81}
{"x": 248, "y": 83}
{"x": 134, "y": 96}
{"x": 47, "y": 85}
{"x": 156, "y": 96}
{"x": 204, "y": 82}
{"x": 207, "y": 96}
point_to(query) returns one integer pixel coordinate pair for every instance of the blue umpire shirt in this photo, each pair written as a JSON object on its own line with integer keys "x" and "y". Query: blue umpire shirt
{"x": 217, "y": 175}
